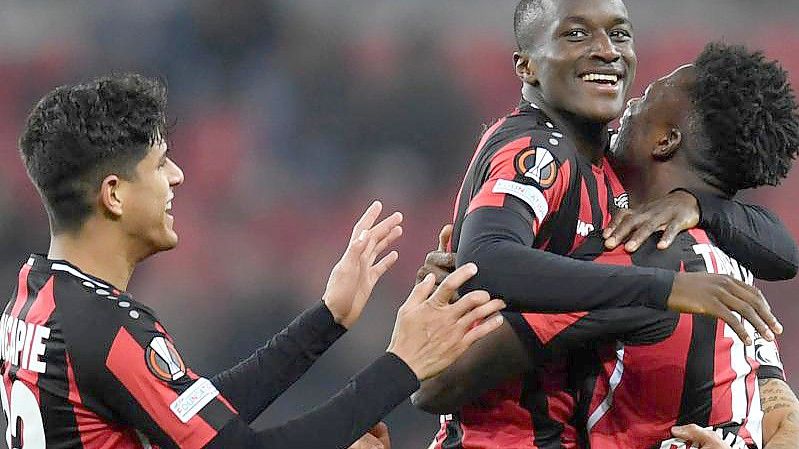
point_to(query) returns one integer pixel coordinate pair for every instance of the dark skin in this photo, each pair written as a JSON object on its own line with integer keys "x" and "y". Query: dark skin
{"x": 651, "y": 160}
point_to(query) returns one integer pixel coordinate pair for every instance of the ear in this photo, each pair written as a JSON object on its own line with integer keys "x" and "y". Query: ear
{"x": 668, "y": 145}
{"x": 112, "y": 194}
{"x": 525, "y": 70}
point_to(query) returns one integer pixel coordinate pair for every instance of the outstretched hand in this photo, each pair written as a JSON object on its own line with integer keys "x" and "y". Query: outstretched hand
{"x": 355, "y": 275}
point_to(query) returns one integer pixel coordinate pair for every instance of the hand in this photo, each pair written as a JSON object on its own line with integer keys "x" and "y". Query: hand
{"x": 674, "y": 213}
{"x": 355, "y": 275}
{"x": 430, "y": 333}
{"x": 439, "y": 262}
{"x": 699, "y": 438}
{"x": 719, "y": 296}
{"x": 377, "y": 438}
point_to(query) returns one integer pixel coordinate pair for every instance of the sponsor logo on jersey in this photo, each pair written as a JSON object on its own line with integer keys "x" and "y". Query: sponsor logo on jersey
{"x": 23, "y": 344}
{"x": 527, "y": 193}
{"x": 537, "y": 164}
{"x": 622, "y": 201}
{"x": 583, "y": 228}
{"x": 164, "y": 361}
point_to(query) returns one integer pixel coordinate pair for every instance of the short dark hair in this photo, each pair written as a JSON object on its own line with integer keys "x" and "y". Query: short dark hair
{"x": 748, "y": 113}
{"x": 526, "y": 12}
{"x": 78, "y": 134}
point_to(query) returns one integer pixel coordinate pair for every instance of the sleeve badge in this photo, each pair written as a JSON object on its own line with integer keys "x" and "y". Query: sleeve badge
{"x": 537, "y": 165}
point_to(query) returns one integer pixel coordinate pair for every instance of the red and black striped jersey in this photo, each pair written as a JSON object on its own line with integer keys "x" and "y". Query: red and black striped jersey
{"x": 526, "y": 164}
{"x": 665, "y": 369}
{"x": 86, "y": 366}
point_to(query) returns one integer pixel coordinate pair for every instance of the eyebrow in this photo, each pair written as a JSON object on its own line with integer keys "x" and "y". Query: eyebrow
{"x": 619, "y": 20}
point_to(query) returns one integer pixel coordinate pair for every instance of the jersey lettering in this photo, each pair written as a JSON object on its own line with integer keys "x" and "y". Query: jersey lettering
{"x": 23, "y": 344}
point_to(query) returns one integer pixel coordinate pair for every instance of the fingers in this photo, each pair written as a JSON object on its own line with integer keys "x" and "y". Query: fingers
{"x": 385, "y": 264}
{"x": 482, "y": 329}
{"x": 695, "y": 434}
{"x": 669, "y": 235}
{"x": 724, "y": 312}
{"x": 449, "y": 287}
{"x": 441, "y": 259}
{"x": 755, "y": 309}
{"x": 618, "y": 218}
{"x": 391, "y": 237}
{"x": 628, "y": 223}
{"x": 422, "y": 290}
{"x": 384, "y": 227}
{"x": 481, "y": 312}
{"x": 645, "y": 229}
{"x": 444, "y": 237}
{"x": 367, "y": 219}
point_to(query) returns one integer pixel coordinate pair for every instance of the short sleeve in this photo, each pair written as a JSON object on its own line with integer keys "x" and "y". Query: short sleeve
{"x": 767, "y": 354}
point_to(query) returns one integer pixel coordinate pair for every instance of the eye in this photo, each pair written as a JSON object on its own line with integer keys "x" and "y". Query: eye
{"x": 576, "y": 34}
{"x": 620, "y": 35}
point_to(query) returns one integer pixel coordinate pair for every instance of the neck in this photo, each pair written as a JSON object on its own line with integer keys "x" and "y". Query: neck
{"x": 590, "y": 138}
{"x": 102, "y": 253}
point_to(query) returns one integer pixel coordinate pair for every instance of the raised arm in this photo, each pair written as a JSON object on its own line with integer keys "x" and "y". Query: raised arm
{"x": 744, "y": 231}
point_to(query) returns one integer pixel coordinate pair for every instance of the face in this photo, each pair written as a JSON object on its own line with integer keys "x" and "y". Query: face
{"x": 147, "y": 200}
{"x": 584, "y": 61}
{"x": 650, "y": 121}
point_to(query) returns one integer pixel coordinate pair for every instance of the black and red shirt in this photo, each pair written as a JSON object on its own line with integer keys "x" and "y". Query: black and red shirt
{"x": 84, "y": 365}
{"x": 665, "y": 368}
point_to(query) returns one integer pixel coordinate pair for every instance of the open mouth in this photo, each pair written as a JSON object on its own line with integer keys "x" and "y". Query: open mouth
{"x": 601, "y": 78}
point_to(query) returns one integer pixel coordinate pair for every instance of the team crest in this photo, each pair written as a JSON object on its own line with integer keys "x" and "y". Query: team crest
{"x": 537, "y": 164}
{"x": 164, "y": 361}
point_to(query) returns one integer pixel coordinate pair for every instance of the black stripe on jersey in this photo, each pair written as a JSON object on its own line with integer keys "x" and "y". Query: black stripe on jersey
{"x": 587, "y": 366}
{"x": 593, "y": 195}
{"x": 454, "y": 432}
{"x": 546, "y": 431}
{"x": 699, "y": 375}
{"x": 58, "y": 415}
{"x": 522, "y": 123}
{"x": 35, "y": 281}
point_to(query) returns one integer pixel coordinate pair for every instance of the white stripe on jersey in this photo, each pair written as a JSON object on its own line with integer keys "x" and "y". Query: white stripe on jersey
{"x": 76, "y": 273}
{"x": 615, "y": 379}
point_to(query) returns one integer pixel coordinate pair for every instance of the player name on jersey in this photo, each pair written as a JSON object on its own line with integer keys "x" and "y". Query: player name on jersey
{"x": 716, "y": 261}
{"x": 22, "y": 344}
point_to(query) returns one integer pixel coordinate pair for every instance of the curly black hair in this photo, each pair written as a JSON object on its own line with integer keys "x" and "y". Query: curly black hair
{"x": 748, "y": 112}
{"x": 78, "y": 134}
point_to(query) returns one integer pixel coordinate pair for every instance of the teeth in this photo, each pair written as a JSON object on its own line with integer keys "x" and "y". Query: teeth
{"x": 169, "y": 205}
{"x": 600, "y": 77}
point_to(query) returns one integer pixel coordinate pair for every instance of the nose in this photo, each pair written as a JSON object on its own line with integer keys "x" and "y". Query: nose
{"x": 176, "y": 176}
{"x": 604, "y": 49}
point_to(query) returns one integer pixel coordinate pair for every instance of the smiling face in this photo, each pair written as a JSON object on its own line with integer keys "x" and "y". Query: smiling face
{"x": 147, "y": 200}
{"x": 581, "y": 57}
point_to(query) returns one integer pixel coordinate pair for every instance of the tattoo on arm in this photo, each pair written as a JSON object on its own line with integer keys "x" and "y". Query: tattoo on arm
{"x": 778, "y": 399}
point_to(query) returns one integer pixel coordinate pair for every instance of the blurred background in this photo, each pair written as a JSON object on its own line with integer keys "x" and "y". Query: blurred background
{"x": 290, "y": 116}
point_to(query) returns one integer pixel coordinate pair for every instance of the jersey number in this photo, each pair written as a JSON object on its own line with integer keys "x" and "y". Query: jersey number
{"x": 22, "y": 406}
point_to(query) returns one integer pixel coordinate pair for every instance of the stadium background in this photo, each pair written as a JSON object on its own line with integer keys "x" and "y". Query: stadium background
{"x": 290, "y": 116}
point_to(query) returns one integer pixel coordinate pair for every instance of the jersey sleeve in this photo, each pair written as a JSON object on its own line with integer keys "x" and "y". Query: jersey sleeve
{"x": 527, "y": 177}
{"x": 130, "y": 372}
{"x": 752, "y": 233}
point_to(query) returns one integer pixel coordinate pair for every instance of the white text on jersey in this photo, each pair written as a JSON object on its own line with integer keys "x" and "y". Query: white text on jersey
{"x": 719, "y": 263}
{"x": 23, "y": 343}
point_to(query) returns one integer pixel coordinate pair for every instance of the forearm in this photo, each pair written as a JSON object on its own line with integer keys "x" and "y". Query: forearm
{"x": 339, "y": 422}
{"x": 780, "y": 414}
{"x": 257, "y": 381}
{"x": 499, "y": 242}
{"x": 750, "y": 233}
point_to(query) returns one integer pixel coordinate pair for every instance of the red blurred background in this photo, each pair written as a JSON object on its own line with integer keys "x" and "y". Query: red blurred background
{"x": 289, "y": 117}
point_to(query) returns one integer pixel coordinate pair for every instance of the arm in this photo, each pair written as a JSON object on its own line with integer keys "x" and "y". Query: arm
{"x": 752, "y": 233}
{"x": 744, "y": 231}
{"x": 276, "y": 366}
{"x": 497, "y": 357}
{"x": 256, "y": 382}
{"x": 780, "y": 414}
{"x": 499, "y": 241}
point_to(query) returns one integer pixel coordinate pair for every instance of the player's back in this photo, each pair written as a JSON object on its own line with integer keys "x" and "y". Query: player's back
{"x": 678, "y": 369}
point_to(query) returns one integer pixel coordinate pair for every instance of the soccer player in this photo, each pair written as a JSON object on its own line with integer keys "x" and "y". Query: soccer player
{"x": 724, "y": 124}
{"x": 85, "y": 365}
{"x": 539, "y": 184}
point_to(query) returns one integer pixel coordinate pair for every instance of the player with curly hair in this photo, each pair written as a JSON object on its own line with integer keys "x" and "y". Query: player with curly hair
{"x": 85, "y": 365}
{"x": 725, "y": 123}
